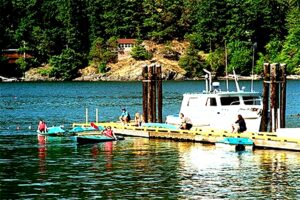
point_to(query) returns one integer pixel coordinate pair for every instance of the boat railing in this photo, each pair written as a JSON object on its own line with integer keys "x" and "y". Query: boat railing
{"x": 235, "y": 103}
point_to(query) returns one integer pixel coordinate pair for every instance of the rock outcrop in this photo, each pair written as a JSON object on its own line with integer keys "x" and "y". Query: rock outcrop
{"x": 128, "y": 69}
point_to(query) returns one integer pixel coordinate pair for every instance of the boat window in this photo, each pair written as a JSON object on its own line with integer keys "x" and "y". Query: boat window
{"x": 251, "y": 100}
{"x": 193, "y": 101}
{"x": 229, "y": 101}
{"x": 211, "y": 102}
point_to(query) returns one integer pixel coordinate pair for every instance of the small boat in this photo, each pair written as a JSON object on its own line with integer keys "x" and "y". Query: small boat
{"x": 86, "y": 139}
{"x": 53, "y": 131}
{"x": 79, "y": 129}
{"x": 236, "y": 144}
{"x": 159, "y": 125}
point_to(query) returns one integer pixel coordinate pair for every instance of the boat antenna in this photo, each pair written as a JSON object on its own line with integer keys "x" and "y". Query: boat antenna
{"x": 253, "y": 51}
{"x": 236, "y": 81}
{"x": 226, "y": 65}
{"x": 209, "y": 79}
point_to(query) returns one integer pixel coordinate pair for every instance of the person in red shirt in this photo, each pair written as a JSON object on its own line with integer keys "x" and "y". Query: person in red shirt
{"x": 108, "y": 132}
{"x": 42, "y": 126}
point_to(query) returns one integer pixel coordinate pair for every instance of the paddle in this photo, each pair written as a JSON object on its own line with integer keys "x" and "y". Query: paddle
{"x": 115, "y": 136}
{"x": 94, "y": 126}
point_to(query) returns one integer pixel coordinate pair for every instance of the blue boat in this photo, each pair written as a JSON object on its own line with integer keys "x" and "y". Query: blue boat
{"x": 237, "y": 144}
{"x": 79, "y": 129}
{"x": 86, "y": 139}
{"x": 53, "y": 131}
{"x": 160, "y": 125}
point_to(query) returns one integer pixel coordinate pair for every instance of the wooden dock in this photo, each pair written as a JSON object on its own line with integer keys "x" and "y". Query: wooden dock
{"x": 265, "y": 140}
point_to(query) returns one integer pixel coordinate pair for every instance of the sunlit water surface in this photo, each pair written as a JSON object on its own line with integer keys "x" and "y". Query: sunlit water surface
{"x": 33, "y": 167}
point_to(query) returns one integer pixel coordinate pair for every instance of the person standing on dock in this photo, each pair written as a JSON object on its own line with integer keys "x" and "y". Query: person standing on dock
{"x": 186, "y": 122}
{"x": 240, "y": 125}
{"x": 125, "y": 116}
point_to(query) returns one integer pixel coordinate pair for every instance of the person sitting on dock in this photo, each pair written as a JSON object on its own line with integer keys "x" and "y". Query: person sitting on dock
{"x": 125, "y": 117}
{"x": 42, "y": 127}
{"x": 138, "y": 119}
{"x": 240, "y": 125}
{"x": 186, "y": 122}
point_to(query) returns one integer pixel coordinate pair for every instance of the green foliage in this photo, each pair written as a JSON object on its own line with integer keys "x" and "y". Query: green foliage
{"x": 91, "y": 29}
{"x": 161, "y": 19}
{"x": 45, "y": 72}
{"x": 103, "y": 52}
{"x": 291, "y": 49}
{"x": 65, "y": 65}
{"x": 21, "y": 62}
{"x": 239, "y": 54}
{"x": 140, "y": 53}
{"x": 216, "y": 60}
{"x": 273, "y": 49}
{"x": 192, "y": 63}
{"x": 102, "y": 68}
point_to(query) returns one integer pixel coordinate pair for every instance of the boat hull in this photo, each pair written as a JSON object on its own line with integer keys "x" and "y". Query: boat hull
{"x": 236, "y": 144}
{"x": 233, "y": 147}
{"x": 86, "y": 139}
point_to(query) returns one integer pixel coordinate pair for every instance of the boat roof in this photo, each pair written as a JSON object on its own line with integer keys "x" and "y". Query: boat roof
{"x": 232, "y": 93}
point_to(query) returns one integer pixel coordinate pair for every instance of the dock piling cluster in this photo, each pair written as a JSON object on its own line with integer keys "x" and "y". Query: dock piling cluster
{"x": 274, "y": 97}
{"x": 152, "y": 93}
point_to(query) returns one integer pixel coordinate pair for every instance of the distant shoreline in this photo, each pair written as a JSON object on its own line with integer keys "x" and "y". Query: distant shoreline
{"x": 230, "y": 77}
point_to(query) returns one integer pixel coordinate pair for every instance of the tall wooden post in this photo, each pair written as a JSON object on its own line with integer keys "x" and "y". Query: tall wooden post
{"x": 150, "y": 93}
{"x": 159, "y": 93}
{"x": 264, "y": 118}
{"x": 274, "y": 97}
{"x": 154, "y": 93}
{"x": 282, "y": 95}
{"x": 145, "y": 92}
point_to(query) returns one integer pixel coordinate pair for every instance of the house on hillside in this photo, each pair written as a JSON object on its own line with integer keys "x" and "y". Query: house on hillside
{"x": 124, "y": 48}
{"x": 13, "y": 54}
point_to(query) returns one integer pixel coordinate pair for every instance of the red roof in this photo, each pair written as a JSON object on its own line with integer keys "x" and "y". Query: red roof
{"x": 126, "y": 41}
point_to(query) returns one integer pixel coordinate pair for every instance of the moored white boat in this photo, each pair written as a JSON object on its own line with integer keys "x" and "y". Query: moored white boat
{"x": 218, "y": 109}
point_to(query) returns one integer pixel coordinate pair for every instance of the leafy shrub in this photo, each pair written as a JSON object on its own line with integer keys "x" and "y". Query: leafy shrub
{"x": 191, "y": 62}
{"x": 140, "y": 53}
{"x": 65, "y": 65}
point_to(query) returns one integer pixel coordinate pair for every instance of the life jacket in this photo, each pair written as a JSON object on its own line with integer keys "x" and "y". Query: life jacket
{"x": 42, "y": 127}
{"x": 108, "y": 133}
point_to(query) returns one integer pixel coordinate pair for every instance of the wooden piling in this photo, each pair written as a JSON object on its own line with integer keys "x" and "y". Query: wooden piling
{"x": 159, "y": 93}
{"x": 282, "y": 95}
{"x": 145, "y": 92}
{"x": 150, "y": 94}
{"x": 273, "y": 97}
{"x": 264, "y": 118}
{"x": 153, "y": 81}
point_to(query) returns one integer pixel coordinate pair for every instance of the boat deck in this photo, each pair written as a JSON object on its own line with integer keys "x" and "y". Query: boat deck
{"x": 205, "y": 135}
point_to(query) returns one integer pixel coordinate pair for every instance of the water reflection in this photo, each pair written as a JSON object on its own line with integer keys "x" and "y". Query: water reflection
{"x": 219, "y": 174}
{"x": 42, "y": 153}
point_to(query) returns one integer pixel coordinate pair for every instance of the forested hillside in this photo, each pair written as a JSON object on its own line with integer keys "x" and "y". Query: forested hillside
{"x": 69, "y": 35}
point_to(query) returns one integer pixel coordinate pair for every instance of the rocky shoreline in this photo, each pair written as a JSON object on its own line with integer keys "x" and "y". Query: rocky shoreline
{"x": 167, "y": 75}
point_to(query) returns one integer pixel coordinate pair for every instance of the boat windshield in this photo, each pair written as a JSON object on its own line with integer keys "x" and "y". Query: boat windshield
{"x": 251, "y": 100}
{"x": 226, "y": 101}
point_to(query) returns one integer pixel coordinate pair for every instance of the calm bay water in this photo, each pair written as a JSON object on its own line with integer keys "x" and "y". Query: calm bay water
{"x": 136, "y": 168}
